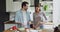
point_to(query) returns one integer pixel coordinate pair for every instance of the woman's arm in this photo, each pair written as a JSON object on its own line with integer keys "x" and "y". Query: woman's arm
{"x": 44, "y": 16}
{"x": 34, "y": 20}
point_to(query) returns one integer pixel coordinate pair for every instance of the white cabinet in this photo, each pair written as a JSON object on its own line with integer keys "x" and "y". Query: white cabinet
{"x": 7, "y": 26}
{"x": 9, "y": 5}
{"x": 14, "y": 5}
{"x": 10, "y": 24}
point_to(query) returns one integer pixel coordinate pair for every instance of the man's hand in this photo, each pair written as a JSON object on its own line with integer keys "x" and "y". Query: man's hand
{"x": 29, "y": 23}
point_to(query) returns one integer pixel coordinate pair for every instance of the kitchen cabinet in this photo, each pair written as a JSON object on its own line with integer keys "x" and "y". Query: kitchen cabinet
{"x": 9, "y": 24}
{"x": 14, "y": 5}
{"x": 48, "y": 25}
{"x": 9, "y": 5}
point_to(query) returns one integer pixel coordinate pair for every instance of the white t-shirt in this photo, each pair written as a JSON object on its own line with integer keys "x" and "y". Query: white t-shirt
{"x": 25, "y": 19}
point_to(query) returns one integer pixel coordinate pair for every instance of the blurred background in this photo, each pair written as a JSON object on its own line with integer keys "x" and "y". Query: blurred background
{"x": 51, "y": 9}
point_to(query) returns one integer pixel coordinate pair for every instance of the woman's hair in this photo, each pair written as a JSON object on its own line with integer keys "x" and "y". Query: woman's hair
{"x": 37, "y": 5}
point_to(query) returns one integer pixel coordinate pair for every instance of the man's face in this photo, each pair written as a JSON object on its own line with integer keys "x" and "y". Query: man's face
{"x": 26, "y": 7}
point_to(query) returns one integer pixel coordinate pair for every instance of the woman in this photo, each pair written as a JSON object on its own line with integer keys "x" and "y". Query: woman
{"x": 37, "y": 17}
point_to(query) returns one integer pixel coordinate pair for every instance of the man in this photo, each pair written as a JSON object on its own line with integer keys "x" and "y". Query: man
{"x": 22, "y": 16}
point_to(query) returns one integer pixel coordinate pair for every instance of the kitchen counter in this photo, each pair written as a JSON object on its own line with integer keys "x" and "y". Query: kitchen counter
{"x": 48, "y": 23}
{"x": 11, "y": 22}
{"x": 31, "y": 30}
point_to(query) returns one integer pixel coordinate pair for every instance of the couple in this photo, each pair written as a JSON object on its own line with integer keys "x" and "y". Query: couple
{"x": 23, "y": 17}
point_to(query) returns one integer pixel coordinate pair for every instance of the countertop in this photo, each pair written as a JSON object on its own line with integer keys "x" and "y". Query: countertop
{"x": 11, "y": 22}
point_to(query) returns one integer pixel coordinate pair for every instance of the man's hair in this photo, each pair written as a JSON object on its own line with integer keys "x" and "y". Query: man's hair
{"x": 24, "y": 3}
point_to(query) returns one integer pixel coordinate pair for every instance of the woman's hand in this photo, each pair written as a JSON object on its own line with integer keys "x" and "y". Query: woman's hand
{"x": 41, "y": 22}
{"x": 34, "y": 27}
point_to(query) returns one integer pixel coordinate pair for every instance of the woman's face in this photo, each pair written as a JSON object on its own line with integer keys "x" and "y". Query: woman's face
{"x": 37, "y": 9}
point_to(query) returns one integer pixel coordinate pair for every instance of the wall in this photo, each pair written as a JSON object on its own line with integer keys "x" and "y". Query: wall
{"x": 56, "y": 15}
{"x": 3, "y": 15}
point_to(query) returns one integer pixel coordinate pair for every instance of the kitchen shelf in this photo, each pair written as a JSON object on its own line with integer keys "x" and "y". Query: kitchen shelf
{"x": 46, "y": 2}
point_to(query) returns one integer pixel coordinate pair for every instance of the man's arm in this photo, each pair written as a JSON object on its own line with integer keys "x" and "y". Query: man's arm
{"x": 16, "y": 17}
{"x": 29, "y": 19}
